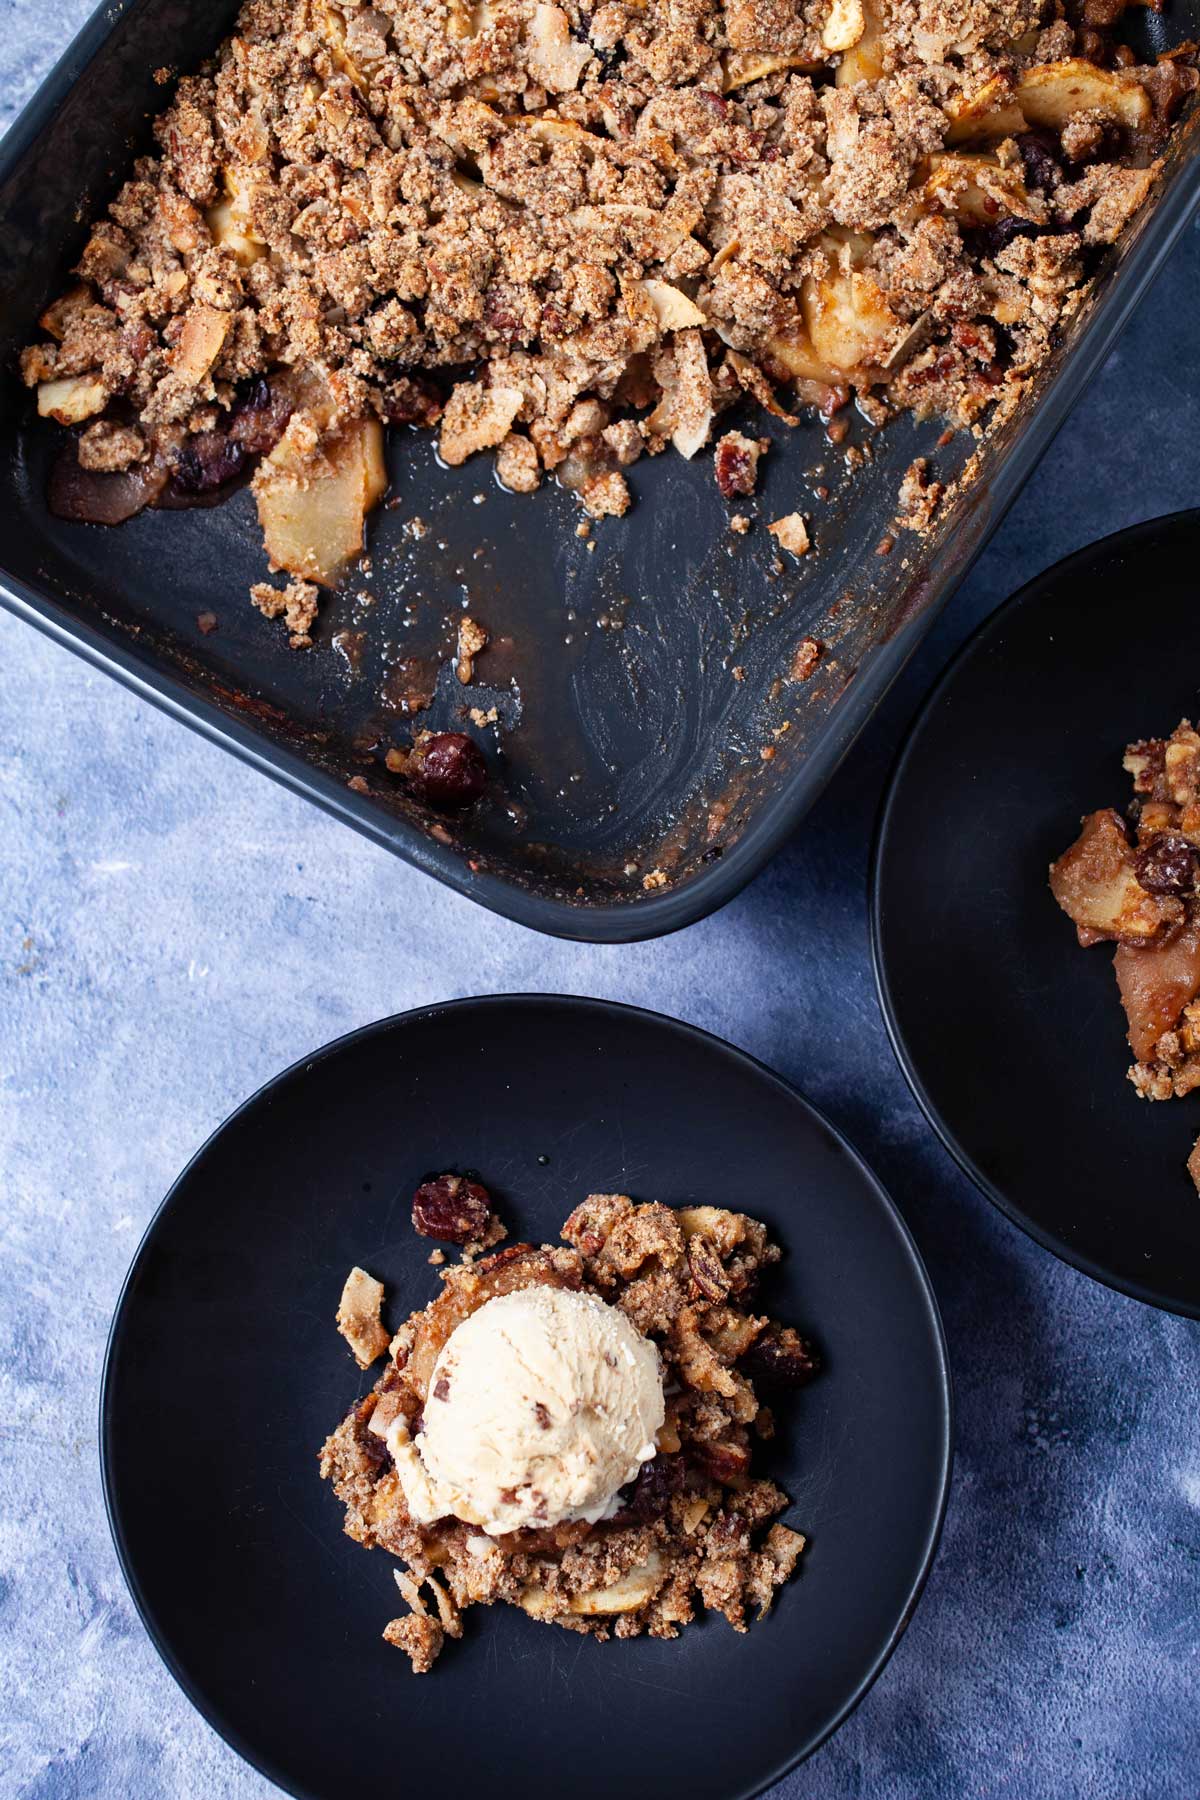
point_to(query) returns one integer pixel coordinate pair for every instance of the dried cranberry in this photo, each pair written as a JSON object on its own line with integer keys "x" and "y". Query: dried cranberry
{"x": 260, "y": 418}
{"x": 1039, "y": 153}
{"x": 735, "y": 470}
{"x": 451, "y": 1208}
{"x": 208, "y": 461}
{"x": 1167, "y": 865}
{"x": 781, "y": 1358}
{"x": 996, "y": 237}
{"x": 648, "y": 1495}
{"x": 447, "y": 769}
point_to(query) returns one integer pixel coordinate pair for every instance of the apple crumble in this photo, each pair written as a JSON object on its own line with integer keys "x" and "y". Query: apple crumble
{"x": 570, "y": 1428}
{"x": 574, "y": 234}
{"x": 1135, "y": 884}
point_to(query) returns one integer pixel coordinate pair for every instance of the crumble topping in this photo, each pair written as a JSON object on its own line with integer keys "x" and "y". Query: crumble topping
{"x": 572, "y": 236}
{"x": 1134, "y": 882}
{"x": 694, "y": 1527}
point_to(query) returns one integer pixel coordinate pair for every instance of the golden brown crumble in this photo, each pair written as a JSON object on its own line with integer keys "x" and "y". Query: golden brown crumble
{"x": 1135, "y": 884}
{"x": 573, "y": 235}
{"x": 695, "y": 1526}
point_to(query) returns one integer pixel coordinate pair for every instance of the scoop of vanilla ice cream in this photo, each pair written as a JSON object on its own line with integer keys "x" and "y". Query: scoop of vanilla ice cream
{"x": 540, "y": 1406}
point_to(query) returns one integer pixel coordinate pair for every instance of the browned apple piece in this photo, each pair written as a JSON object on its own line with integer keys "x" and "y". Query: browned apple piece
{"x": 1051, "y": 93}
{"x": 990, "y": 112}
{"x": 977, "y": 190}
{"x": 231, "y": 222}
{"x": 72, "y": 398}
{"x": 848, "y": 319}
{"x": 467, "y": 1290}
{"x": 627, "y": 1593}
{"x": 58, "y": 315}
{"x": 1157, "y": 981}
{"x": 1095, "y": 884}
{"x": 1193, "y": 1164}
{"x": 863, "y": 60}
{"x": 201, "y": 341}
{"x": 313, "y": 509}
{"x": 794, "y": 350}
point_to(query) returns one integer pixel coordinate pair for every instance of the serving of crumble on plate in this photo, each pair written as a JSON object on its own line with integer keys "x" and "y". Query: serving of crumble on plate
{"x": 1132, "y": 881}
{"x": 594, "y": 1494}
{"x": 225, "y": 1374}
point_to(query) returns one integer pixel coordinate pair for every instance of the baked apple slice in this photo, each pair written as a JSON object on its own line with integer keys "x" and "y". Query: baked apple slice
{"x": 1096, "y": 885}
{"x": 313, "y": 504}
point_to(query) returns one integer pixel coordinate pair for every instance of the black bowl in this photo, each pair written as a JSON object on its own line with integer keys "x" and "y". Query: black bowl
{"x": 1011, "y": 1037}
{"x": 224, "y": 1373}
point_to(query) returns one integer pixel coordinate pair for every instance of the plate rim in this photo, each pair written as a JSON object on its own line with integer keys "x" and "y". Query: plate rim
{"x": 996, "y": 620}
{"x": 212, "y": 1714}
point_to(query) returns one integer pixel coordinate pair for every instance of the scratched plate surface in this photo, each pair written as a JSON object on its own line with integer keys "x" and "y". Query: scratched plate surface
{"x": 645, "y": 724}
{"x": 225, "y": 1373}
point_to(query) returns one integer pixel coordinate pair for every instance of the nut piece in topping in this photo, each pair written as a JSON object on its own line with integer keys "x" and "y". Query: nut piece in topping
{"x": 446, "y": 768}
{"x": 358, "y": 1317}
{"x": 736, "y": 462}
{"x": 791, "y": 533}
{"x": 456, "y": 1211}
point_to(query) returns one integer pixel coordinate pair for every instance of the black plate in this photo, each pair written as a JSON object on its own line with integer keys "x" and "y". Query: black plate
{"x": 224, "y": 1373}
{"x": 1011, "y": 1037}
{"x": 627, "y": 746}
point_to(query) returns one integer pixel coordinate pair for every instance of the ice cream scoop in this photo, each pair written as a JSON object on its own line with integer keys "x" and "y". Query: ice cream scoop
{"x": 541, "y": 1405}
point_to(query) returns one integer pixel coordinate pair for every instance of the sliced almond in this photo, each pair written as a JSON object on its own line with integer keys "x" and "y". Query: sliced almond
{"x": 672, "y": 308}
{"x": 552, "y": 55}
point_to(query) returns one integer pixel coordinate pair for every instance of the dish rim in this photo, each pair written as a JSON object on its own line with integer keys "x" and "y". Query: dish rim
{"x": 995, "y": 620}
{"x": 648, "y": 915}
{"x": 601, "y": 1010}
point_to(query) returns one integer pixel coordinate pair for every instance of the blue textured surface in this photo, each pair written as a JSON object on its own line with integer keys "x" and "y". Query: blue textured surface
{"x": 175, "y": 929}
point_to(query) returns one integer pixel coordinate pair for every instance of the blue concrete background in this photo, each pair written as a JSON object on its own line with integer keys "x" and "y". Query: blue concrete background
{"x": 175, "y": 929}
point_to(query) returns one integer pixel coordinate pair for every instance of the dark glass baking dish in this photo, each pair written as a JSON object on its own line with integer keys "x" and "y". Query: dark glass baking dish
{"x": 652, "y": 752}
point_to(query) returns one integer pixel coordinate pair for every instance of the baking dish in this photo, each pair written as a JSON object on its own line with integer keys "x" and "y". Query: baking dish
{"x": 652, "y": 748}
